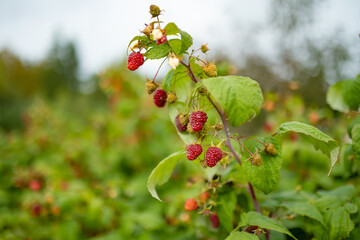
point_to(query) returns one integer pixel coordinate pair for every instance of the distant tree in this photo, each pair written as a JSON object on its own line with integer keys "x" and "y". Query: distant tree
{"x": 61, "y": 68}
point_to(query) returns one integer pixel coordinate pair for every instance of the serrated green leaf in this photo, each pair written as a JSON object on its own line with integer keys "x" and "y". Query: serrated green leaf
{"x": 340, "y": 224}
{"x": 265, "y": 176}
{"x": 256, "y": 219}
{"x": 304, "y": 209}
{"x": 320, "y": 140}
{"x": 171, "y": 29}
{"x": 226, "y": 208}
{"x": 158, "y": 51}
{"x": 351, "y": 93}
{"x": 186, "y": 41}
{"x": 162, "y": 172}
{"x": 241, "y": 236}
{"x": 334, "y": 97}
{"x": 240, "y": 97}
{"x": 175, "y": 44}
{"x": 174, "y": 110}
{"x": 351, "y": 208}
{"x": 166, "y": 84}
{"x": 327, "y": 203}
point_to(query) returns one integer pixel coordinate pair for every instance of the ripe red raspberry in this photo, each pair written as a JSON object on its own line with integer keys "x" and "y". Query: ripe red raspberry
{"x": 135, "y": 60}
{"x": 162, "y": 40}
{"x": 198, "y": 120}
{"x": 212, "y": 156}
{"x": 190, "y": 205}
{"x": 214, "y": 219}
{"x": 35, "y": 185}
{"x": 179, "y": 126}
{"x": 160, "y": 98}
{"x": 193, "y": 151}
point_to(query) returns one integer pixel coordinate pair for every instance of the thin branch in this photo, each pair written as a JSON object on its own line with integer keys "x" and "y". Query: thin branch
{"x": 159, "y": 69}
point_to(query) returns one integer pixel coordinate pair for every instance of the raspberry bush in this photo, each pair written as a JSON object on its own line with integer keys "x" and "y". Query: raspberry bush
{"x": 206, "y": 110}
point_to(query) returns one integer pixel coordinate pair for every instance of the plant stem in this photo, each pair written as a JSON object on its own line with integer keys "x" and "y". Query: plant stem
{"x": 158, "y": 70}
{"x": 227, "y": 133}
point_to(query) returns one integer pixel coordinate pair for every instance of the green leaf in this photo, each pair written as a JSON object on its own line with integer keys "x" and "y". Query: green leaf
{"x": 226, "y": 208}
{"x": 175, "y": 44}
{"x": 171, "y": 29}
{"x": 344, "y": 193}
{"x": 305, "y": 209}
{"x": 265, "y": 176}
{"x": 340, "y": 224}
{"x": 240, "y": 97}
{"x": 186, "y": 41}
{"x": 334, "y": 97}
{"x": 158, "y": 51}
{"x": 351, "y": 93}
{"x": 320, "y": 140}
{"x": 180, "y": 83}
{"x": 351, "y": 208}
{"x": 174, "y": 110}
{"x": 256, "y": 219}
{"x": 162, "y": 172}
{"x": 241, "y": 236}
{"x": 166, "y": 84}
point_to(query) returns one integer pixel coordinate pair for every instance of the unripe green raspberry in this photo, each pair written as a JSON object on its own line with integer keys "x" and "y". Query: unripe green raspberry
{"x": 151, "y": 86}
{"x": 154, "y": 11}
{"x": 184, "y": 118}
{"x": 171, "y": 98}
{"x": 210, "y": 70}
{"x": 270, "y": 149}
{"x": 256, "y": 159}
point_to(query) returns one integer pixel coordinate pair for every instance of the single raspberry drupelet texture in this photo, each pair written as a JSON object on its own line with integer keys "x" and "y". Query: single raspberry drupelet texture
{"x": 198, "y": 120}
{"x": 180, "y": 127}
{"x": 135, "y": 60}
{"x": 213, "y": 156}
{"x": 190, "y": 205}
{"x": 214, "y": 219}
{"x": 160, "y": 98}
{"x": 193, "y": 151}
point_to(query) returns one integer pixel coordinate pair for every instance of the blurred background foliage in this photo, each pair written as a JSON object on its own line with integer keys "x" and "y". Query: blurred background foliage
{"x": 76, "y": 152}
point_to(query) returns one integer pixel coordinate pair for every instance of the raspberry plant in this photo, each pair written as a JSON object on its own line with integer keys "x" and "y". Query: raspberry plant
{"x": 206, "y": 109}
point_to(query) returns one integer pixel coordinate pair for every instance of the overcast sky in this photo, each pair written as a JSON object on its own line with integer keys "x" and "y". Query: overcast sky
{"x": 102, "y": 29}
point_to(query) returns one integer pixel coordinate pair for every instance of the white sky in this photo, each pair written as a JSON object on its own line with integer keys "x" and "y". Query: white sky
{"x": 102, "y": 29}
